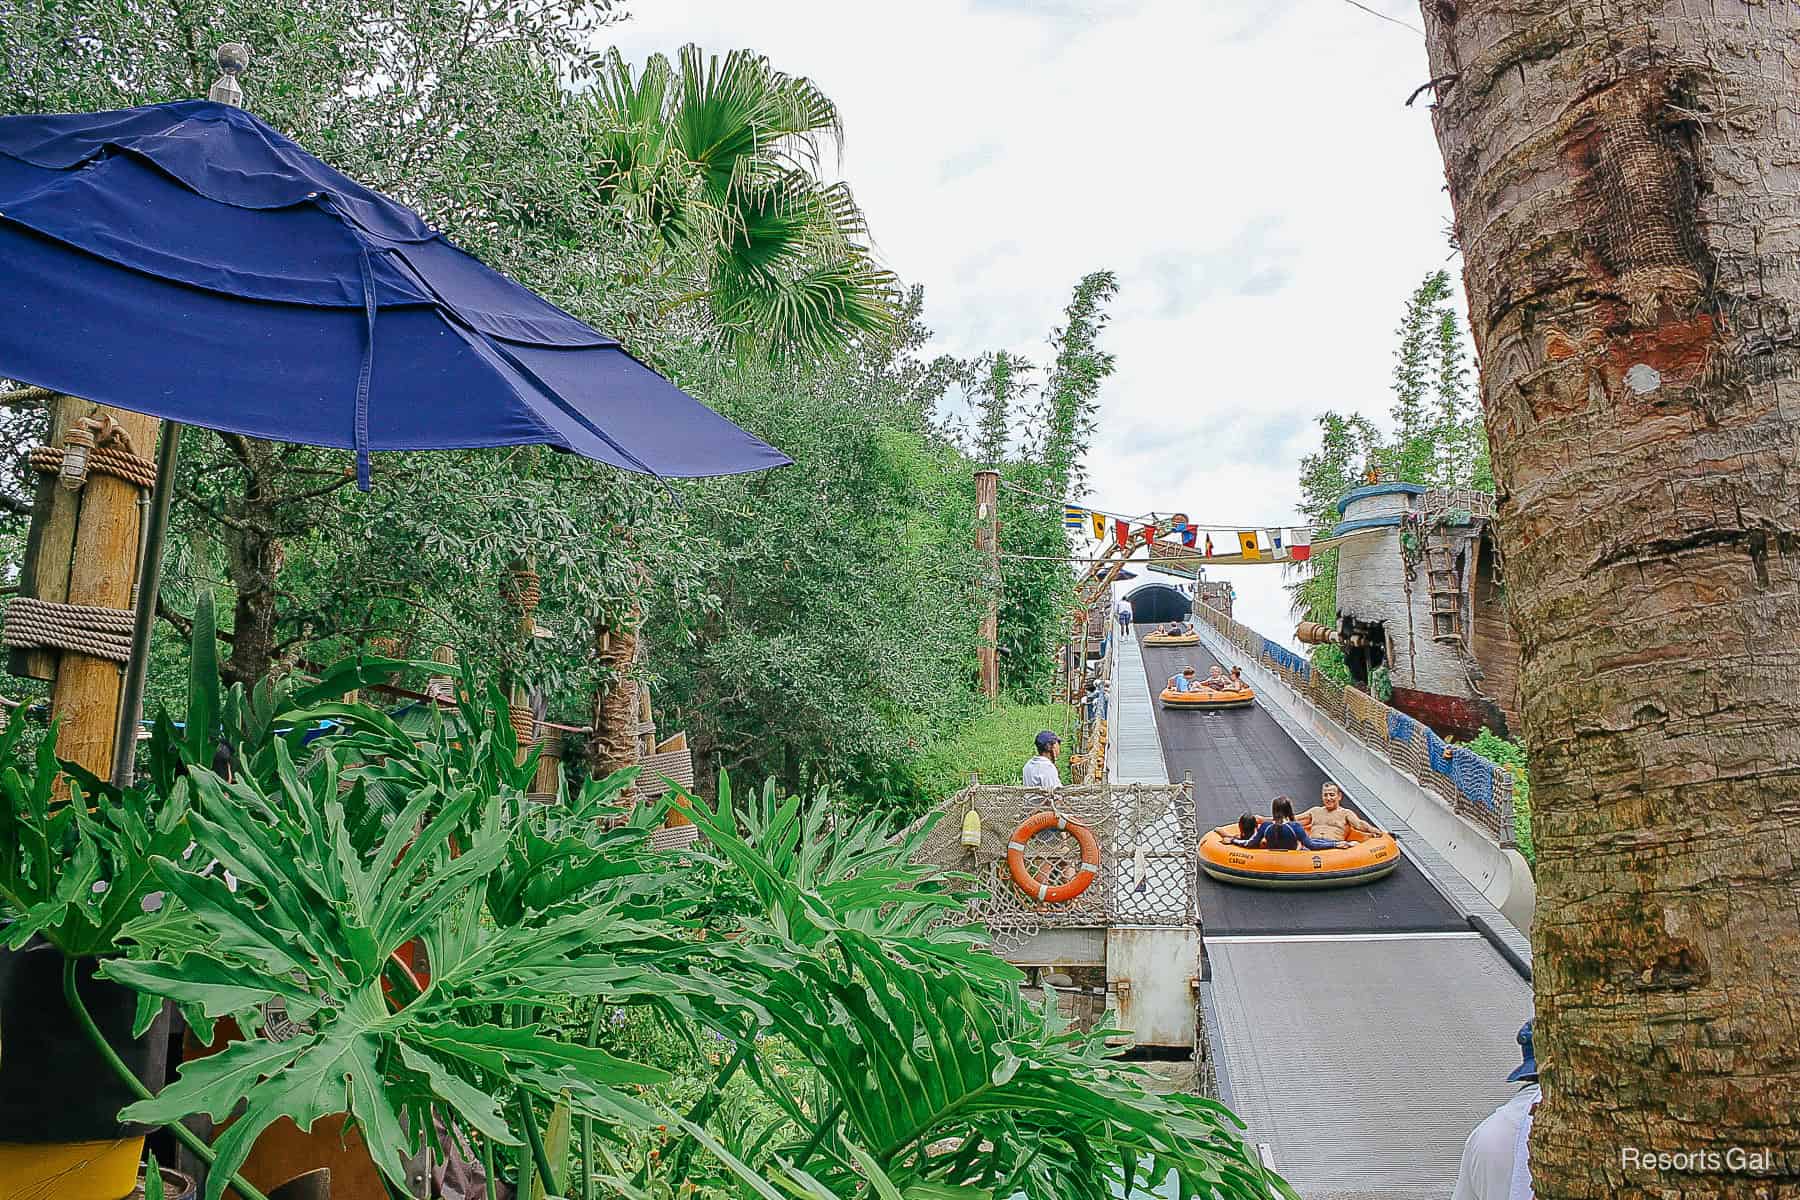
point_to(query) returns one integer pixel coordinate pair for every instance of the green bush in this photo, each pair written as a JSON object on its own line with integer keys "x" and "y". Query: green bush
{"x": 1329, "y": 662}
{"x": 1381, "y": 685}
{"x": 995, "y": 746}
{"x": 1511, "y": 755}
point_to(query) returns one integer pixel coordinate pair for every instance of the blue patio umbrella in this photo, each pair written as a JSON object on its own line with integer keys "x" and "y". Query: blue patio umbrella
{"x": 187, "y": 261}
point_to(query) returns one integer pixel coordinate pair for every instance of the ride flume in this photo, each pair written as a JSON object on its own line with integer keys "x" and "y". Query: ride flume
{"x": 1473, "y": 786}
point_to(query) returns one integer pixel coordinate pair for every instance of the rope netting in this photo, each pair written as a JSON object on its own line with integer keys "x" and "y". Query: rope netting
{"x": 1147, "y": 839}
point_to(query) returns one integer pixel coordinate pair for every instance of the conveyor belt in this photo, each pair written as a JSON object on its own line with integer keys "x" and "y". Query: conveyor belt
{"x": 1241, "y": 760}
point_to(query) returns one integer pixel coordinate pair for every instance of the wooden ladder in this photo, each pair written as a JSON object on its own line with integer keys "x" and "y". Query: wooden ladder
{"x": 1446, "y": 595}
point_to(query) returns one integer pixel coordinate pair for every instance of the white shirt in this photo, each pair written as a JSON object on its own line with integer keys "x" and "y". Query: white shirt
{"x": 1040, "y": 772}
{"x": 1124, "y": 608}
{"x": 1494, "y": 1159}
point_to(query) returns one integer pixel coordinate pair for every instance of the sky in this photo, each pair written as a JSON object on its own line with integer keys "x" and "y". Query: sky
{"x": 1248, "y": 168}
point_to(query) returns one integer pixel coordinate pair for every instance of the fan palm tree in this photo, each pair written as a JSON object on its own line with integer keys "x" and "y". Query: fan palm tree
{"x": 721, "y": 157}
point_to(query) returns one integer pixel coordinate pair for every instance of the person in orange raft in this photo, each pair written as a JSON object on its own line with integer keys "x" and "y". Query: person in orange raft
{"x": 1329, "y": 820}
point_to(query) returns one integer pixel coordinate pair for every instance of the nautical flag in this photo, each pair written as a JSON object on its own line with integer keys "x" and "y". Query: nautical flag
{"x": 1122, "y": 532}
{"x": 1099, "y": 520}
{"x": 1073, "y": 517}
{"x": 1300, "y": 545}
{"x": 1149, "y": 532}
{"x": 1247, "y": 539}
{"x": 1209, "y": 545}
{"x": 1189, "y": 535}
{"x": 1275, "y": 540}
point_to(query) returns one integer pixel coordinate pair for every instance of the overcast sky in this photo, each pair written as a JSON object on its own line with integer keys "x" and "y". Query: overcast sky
{"x": 1247, "y": 167}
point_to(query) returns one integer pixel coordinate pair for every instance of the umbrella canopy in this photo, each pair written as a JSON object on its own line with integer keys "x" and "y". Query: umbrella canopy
{"x": 186, "y": 260}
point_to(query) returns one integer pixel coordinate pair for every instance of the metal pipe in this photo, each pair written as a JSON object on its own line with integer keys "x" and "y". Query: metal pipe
{"x": 156, "y": 533}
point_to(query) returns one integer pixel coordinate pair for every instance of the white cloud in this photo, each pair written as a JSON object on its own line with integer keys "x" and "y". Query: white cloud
{"x": 1248, "y": 167}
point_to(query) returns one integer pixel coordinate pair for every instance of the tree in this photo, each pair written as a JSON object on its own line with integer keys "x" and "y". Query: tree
{"x": 721, "y": 157}
{"x": 1072, "y": 392}
{"x": 1624, "y": 206}
{"x": 1437, "y": 438}
{"x": 1347, "y": 444}
{"x": 998, "y": 379}
{"x": 1437, "y": 441}
{"x": 842, "y": 638}
{"x": 1036, "y": 604}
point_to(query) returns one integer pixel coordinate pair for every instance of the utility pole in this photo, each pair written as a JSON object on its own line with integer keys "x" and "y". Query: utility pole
{"x": 987, "y": 541}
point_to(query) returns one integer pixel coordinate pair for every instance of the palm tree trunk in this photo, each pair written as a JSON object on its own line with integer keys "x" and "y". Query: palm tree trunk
{"x": 615, "y": 741}
{"x": 1628, "y": 206}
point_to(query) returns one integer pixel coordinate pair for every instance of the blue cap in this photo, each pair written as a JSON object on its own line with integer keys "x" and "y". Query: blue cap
{"x": 1046, "y": 739}
{"x": 1528, "y": 1068}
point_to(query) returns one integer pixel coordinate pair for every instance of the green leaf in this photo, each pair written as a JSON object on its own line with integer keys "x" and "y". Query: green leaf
{"x": 203, "y": 684}
{"x": 878, "y": 1179}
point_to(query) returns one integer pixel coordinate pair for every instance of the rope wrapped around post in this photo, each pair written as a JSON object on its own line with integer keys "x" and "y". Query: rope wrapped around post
{"x": 103, "y": 633}
{"x": 94, "y": 444}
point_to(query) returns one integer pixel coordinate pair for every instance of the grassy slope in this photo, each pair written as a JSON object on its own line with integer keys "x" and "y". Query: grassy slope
{"x": 995, "y": 746}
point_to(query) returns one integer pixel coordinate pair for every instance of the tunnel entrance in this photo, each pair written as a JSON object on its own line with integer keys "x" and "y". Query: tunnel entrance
{"x": 1153, "y": 602}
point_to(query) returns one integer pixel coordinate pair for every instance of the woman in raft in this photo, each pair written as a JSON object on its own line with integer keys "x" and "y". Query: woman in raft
{"x": 1280, "y": 831}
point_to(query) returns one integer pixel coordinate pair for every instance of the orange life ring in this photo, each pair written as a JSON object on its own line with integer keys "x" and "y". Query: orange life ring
{"x": 1036, "y": 888}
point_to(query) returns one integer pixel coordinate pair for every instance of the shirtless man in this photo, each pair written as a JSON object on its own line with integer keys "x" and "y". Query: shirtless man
{"x": 1329, "y": 819}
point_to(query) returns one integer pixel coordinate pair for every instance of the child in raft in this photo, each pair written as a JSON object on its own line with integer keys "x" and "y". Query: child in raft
{"x": 1282, "y": 831}
{"x": 1187, "y": 681}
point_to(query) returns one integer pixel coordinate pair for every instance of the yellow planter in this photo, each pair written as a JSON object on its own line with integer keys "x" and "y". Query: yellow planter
{"x": 70, "y": 1170}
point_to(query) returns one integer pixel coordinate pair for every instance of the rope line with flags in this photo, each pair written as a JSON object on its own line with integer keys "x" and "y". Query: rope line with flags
{"x": 1256, "y": 541}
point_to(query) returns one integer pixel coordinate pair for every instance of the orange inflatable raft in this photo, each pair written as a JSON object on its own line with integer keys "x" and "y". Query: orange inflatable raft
{"x": 1171, "y": 639}
{"x": 1368, "y": 857}
{"x": 1241, "y": 697}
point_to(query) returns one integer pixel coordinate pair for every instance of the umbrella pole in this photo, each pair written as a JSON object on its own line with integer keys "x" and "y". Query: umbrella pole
{"x": 143, "y": 623}
{"x": 233, "y": 58}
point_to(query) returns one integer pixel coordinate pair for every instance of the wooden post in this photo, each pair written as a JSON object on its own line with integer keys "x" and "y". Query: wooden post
{"x": 51, "y": 540}
{"x": 987, "y": 540}
{"x": 103, "y": 520}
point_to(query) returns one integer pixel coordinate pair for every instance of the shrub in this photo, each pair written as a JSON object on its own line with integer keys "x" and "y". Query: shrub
{"x": 995, "y": 746}
{"x": 1511, "y": 755}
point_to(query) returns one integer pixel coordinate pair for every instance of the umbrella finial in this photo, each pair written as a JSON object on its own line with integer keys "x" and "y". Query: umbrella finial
{"x": 233, "y": 59}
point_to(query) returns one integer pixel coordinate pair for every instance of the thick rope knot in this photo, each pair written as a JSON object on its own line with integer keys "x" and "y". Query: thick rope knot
{"x": 80, "y": 628}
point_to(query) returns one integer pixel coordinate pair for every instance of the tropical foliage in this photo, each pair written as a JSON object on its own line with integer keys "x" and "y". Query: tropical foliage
{"x": 889, "y": 1055}
{"x": 817, "y": 623}
{"x": 720, "y": 158}
{"x": 991, "y": 747}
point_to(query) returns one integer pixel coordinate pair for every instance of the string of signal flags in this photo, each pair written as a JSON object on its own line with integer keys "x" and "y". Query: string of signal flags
{"x": 1268, "y": 543}
{"x": 1237, "y": 544}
